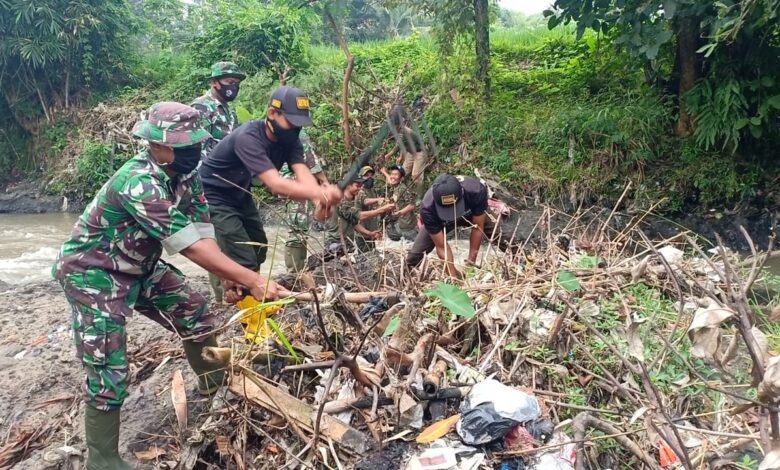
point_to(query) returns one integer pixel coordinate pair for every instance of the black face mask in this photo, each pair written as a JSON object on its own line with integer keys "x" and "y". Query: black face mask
{"x": 369, "y": 183}
{"x": 284, "y": 136}
{"x": 185, "y": 160}
{"x": 228, "y": 92}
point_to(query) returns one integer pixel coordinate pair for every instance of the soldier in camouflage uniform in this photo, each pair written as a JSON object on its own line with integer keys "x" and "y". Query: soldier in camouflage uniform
{"x": 365, "y": 200}
{"x": 346, "y": 223}
{"x": 402, "y": 222}
{"x": 111, "y": 266}
{"x": 225, "y": 81}
{"x": 299, "y": 212}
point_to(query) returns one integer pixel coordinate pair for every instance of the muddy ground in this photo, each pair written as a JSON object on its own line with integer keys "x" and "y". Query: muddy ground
{"x": 40, "y": 378}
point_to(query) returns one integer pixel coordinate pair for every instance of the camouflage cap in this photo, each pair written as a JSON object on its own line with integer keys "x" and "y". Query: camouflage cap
{"x": 226, "y": 69}
{"x": 366, "y": 170}
{"x": 172, "y": 124}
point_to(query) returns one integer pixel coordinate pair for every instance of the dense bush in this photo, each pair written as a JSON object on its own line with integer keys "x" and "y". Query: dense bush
{"x": 567, "y": 116}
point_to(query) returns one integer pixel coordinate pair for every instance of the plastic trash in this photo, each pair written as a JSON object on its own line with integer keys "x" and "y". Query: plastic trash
{"x": 560, "y": 458}
{"x": 492, "y": 409}
{"x": 551, "y": 462}
{"x": 443, "y": 456}
{"x": 541, "y": 429}
{"x": 513, "y": 463}
{"x": 375, "y": 306}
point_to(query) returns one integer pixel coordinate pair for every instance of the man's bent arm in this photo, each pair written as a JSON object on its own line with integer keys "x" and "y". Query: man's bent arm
{"x": 206, "y": 254}
{"x": 296, "y": 189}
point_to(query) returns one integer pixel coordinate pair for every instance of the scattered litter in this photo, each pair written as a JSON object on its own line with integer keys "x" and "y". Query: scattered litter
{"x": 492, "y": 409}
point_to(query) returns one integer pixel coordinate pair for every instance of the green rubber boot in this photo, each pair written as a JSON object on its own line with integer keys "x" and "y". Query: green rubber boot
{"x": 102, "y": 430}
{"x": 210, "y": 376}
{"x": 217, "y": 288}
{"x": 295, "y": 256}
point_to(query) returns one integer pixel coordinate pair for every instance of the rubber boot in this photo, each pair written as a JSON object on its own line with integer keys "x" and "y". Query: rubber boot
{"x": 102, "y": 430}
{"x": 216, "y": 288}
{"x": 295, "y": 257}
{"x": 210, "y": 376}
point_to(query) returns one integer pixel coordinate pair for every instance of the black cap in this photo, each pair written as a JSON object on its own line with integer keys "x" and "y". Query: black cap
{"x": 358, "y": 179}
{"x": 293, "y": 103}
{"x": 448, "y": 197}
{"x": 398, "y": 167}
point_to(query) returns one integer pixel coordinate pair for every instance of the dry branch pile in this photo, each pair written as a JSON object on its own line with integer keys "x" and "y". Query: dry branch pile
{"x": 645, "y": 354}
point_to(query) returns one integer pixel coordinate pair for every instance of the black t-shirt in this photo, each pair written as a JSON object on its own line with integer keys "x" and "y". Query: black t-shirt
{"x": 474, "y": 196}
{"x": 243, "y": 154}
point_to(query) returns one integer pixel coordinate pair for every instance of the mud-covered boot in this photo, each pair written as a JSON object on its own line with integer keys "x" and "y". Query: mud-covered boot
{"x": 102, "y": 430}
{"x": 295, "y": 256}
{"x": 216, "y": 288}
{"x": 210, "y": 376}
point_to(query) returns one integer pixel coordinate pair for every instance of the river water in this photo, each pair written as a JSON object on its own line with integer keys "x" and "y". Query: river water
{"x": 30, "y": 242}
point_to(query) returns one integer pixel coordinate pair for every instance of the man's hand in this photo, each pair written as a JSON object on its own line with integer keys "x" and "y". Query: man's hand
{"x": 261, "y": 289}
{"x": 264, "y": 289}
{"x": 233, "y": 292}
{"x": 376, "y": 235}
{"x": 388, "y": 208}
{"x": 330, "y": 196}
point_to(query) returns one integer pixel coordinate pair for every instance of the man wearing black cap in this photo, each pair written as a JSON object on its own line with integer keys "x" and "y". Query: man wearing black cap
{"x": 451, "y": 202}
{"x": 258, "y": 149}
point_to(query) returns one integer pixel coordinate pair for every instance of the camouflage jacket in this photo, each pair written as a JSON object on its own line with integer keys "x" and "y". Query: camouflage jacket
{"x": 222, "y": 120}
{"x": 298, "y": 212}
{"x": 403, "y": 195}
{"x": 360, "y": 200}
{"x": 345, "y": 217}
{"x": 119, "y": 238}
{"x": 310, "y": 157}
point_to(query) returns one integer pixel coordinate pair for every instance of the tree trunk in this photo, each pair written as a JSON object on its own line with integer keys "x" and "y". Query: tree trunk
{"x": 345, "y": 84}
{"x": 482, "y": 39}
{"x": 688, "y": 64}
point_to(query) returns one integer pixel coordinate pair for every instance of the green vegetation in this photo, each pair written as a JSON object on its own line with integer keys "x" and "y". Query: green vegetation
{"x": 573, "y": 112}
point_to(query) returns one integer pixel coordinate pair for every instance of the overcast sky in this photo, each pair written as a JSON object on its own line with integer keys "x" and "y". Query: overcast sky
{"x": 529, "y": 7}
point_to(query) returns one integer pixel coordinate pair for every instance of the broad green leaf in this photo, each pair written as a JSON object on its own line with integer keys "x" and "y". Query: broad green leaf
{"x": 243, "y": 114}
{"x": 568, "y": 281}
{"x": 392, "y": 325}
{"x": 774, "y": 101}
{"x": 453, "y": 298}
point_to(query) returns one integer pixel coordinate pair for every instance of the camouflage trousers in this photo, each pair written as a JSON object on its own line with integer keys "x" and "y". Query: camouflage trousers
{"x": 99, "y": 329}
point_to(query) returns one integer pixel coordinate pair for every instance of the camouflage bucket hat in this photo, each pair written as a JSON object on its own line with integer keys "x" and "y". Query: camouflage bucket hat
{"x": 172, "y": 124}
{"x": 226, "y": 69}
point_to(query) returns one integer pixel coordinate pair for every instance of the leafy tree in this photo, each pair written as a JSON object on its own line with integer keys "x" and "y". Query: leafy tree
{"x": 453, "y": 18}
{"x": 723, "y": 57}
{"x": 53, "y": 49}
{"x": 254, "y": 35}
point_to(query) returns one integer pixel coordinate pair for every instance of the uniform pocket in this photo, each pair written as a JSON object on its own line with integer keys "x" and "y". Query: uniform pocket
{"x": 91, "y": 337}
